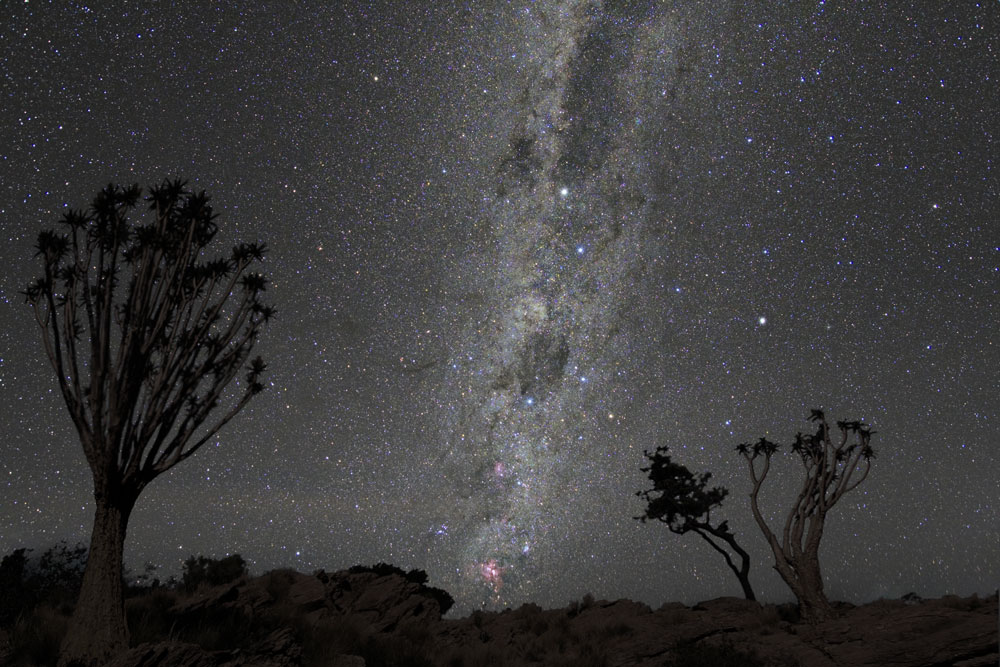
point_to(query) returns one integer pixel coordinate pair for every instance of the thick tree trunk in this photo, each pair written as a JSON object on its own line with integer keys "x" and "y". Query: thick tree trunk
{"x": 804, "y": 579}
{"x": 813, "y": 605}
{"x": 97, "y": 630}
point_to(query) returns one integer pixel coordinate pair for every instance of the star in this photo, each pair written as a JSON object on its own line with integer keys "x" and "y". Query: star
{"x": 585, "y": 286}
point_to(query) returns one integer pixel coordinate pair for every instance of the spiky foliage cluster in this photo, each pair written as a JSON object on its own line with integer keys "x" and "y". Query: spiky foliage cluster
{"x": 831, "y": 467}
{"x": 144, "y": 332}
{"x": 679, "y": 498}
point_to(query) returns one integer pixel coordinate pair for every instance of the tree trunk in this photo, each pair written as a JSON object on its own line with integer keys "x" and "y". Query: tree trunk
{"x": 747, "y": 589}
{"x": 743, "y": 571}
{"x": 97, "y": 630}
{"x": 804, "y": 579}
{"x": 813, "y": 605}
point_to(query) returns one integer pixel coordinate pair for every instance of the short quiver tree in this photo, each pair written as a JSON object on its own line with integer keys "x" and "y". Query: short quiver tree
{"x": 680, "y": 500}
{"x": 831, "y": 470}
{"x": 144, "y": 333}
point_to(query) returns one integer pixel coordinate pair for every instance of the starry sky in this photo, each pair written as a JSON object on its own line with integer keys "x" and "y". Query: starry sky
{"x": 515, "y": 243}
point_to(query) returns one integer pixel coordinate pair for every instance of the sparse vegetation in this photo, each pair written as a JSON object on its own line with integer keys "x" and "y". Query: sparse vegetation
{"x": 239, "y": 620}
{"x": 36, "y": 635}
{"x": 52, "y": 579}
{"x": 212, "y": 571}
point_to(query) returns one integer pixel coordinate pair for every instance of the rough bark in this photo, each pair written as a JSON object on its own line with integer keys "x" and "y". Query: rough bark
{"x": 806, "y": 583}
{"x": 97, "y": 629}
{"x": 813, "y": 605}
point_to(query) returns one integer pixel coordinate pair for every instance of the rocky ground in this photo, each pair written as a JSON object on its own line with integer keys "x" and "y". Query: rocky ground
{"x": 383, "y": 616}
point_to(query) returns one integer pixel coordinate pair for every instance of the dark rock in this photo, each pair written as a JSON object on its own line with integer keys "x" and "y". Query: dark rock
{"x": 377, "y": 612}
{"x": 165, "y": 654}
{"x": 278, "y": 649}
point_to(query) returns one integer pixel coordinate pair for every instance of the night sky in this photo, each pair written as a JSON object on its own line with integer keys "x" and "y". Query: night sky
{"x": 514, "y": 244}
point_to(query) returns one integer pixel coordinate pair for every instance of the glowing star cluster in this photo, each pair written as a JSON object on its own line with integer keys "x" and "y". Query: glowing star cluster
{"x": 492, "y": 574}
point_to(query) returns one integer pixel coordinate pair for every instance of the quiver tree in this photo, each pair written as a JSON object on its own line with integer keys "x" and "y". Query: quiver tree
{"x": 832, "y": 468}
{"x": 680, "y": 500}
{"x": 144, "y": 334}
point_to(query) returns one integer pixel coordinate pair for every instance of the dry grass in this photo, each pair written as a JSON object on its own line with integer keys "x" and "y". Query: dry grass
{"x": 36, "y": 636}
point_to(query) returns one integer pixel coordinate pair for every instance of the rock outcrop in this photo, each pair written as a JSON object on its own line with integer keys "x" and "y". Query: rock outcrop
{"x": 383, "y": 615}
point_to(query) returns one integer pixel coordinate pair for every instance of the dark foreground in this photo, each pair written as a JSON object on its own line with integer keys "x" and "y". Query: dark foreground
{"x": 382, "y": 616}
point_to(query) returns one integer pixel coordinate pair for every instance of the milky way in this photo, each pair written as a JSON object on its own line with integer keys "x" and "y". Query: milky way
{"x": 514, "y": 244}
{"x": 566, "y": 221}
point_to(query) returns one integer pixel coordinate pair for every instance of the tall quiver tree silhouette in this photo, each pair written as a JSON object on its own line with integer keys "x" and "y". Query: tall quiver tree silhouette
{"x": 144, "y": 334}
{"x": 831, "y": 470}
{"x": 680, "y": 500}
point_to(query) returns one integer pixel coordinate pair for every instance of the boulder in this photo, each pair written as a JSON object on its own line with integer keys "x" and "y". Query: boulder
{"x": 384, "y": 601}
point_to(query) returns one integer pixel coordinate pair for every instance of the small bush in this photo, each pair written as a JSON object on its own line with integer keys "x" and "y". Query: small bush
{"x": 36, "y": 636}
{"x": 443, "y": 597}
{"x": 416, "y": 576}
{"x": 381, "y": 569}
{"x": 148, "y": 616}
{"x": 214, "y": 572}
{"x": 52, "y": 579}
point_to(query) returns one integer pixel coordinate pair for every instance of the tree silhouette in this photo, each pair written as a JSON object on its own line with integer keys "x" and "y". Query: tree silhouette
{"x": 831, "y": 470}
{"x": 141, "y": 365}
{"x": 680, "y": 500}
